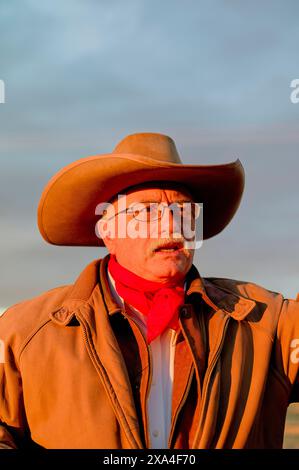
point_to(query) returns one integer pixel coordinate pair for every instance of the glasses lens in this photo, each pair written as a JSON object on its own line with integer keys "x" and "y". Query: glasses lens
{"x": 144, "y": 212}
{"x": 138, "y": 211}
{"x": 147, "y": 212}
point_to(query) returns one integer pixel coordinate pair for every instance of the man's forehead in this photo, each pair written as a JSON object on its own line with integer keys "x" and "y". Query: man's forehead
{"x": 155, "y": 191}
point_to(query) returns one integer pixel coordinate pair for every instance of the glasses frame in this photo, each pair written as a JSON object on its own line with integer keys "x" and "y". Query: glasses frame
{"x": 130, "y": 210}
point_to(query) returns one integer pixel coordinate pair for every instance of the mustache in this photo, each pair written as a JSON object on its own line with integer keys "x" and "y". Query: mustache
{"x": 178, "y": 242}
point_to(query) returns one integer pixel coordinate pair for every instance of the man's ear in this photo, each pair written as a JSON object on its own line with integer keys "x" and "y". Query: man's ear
{"x": 104, "y": 232}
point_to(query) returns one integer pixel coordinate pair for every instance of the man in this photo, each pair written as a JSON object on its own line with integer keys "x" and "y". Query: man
{"x": 141, "y": 351}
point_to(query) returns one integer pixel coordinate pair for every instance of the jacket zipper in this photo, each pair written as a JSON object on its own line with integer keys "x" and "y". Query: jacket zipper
{"x": 189, "y": 382}
{"x": 209, "y": 373}
{"x": 148, "y": 347}
{"x": 181, "y": 405}
{"x": 94, "y": 360}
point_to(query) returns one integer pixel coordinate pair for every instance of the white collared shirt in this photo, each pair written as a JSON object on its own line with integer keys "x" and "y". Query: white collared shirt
{"x": 162, "y": 351}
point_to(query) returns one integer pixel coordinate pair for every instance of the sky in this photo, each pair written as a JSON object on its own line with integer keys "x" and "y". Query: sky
{"x": 215, "y": 76}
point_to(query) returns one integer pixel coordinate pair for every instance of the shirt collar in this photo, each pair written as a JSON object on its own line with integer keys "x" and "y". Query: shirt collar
{"x": 217, "y": 293}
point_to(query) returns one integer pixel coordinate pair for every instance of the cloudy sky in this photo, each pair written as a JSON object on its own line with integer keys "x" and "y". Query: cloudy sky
{"x": 215, "y": 76}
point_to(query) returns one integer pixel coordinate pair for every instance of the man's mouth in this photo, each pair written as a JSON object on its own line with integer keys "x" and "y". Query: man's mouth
{"x": 169, "y": 247}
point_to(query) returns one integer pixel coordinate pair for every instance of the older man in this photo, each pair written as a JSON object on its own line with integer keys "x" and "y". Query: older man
{"x": 141, "y": 351}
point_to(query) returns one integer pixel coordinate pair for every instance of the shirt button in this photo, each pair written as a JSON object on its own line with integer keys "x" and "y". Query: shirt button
{"x": 155, "y": 433}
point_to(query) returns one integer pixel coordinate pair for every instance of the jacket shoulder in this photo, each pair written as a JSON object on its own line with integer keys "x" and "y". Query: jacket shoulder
{"x": 247, "y": 289}
{"x": 22, "y": 317}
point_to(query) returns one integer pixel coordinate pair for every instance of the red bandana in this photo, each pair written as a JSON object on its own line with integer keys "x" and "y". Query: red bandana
{"x": 159, "y": 301}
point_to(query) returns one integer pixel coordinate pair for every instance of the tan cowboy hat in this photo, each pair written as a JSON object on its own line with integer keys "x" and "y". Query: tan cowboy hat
{"x": 66, "y": 211}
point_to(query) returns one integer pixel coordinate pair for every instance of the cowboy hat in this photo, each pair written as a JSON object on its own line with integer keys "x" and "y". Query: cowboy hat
{"x": 66, "y": 210}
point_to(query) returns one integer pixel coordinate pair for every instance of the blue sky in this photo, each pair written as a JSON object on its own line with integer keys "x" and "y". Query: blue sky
{"x": 215, "y": 76}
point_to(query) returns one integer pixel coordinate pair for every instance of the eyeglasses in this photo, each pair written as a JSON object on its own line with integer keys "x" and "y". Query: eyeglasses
{"x": 147, "y": 212}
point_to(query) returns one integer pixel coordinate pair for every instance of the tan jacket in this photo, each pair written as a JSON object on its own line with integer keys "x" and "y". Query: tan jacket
{"x": 77, "y": 369}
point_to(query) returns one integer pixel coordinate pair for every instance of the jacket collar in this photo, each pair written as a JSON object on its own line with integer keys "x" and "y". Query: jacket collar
{"x": 219, "y": 298}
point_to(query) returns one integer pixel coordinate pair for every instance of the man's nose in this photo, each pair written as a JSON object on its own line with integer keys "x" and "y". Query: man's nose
{"x": 170, "y": 222}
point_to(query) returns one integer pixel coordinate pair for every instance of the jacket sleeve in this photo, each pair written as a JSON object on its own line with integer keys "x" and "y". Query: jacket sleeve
{"x": 287, "y": 346}
{"x": 12, "y": 414}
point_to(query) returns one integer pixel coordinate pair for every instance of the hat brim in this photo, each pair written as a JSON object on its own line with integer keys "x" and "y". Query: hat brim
{"x": 66, "y": 211}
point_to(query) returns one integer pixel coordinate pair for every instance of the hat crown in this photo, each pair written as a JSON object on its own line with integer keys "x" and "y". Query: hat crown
{"x": 157, "y": 146}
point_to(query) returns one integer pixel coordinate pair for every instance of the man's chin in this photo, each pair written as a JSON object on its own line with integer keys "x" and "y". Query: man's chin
{"x": 169, "y": 267}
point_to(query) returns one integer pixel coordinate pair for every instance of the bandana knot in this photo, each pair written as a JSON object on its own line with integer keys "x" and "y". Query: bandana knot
{"x": 158, "y": 301}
